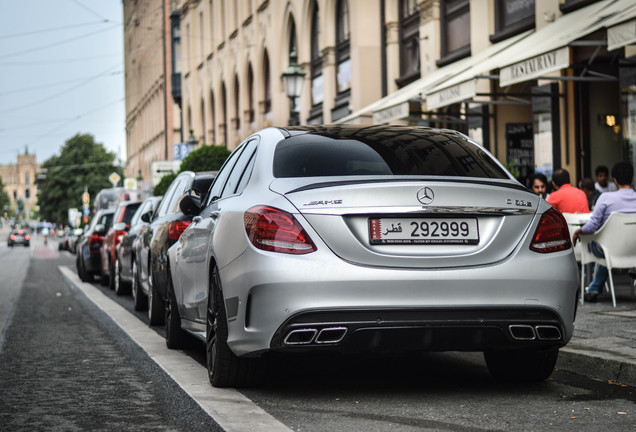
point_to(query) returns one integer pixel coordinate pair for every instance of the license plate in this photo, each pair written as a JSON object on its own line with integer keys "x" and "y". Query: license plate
{"x": 433, "y": 231}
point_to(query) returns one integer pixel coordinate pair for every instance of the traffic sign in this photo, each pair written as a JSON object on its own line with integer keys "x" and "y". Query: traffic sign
{"x": 114, "y": 178}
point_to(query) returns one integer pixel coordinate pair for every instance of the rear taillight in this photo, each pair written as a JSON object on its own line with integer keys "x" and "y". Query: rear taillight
{"x": 275, "y": 230}
{"x": 13, "y": 237}
{"x": 27, "y": 237}
{"x": 552, "y": 234}
{"x": 176, "y": 228}
{"x": 119, "y": 235}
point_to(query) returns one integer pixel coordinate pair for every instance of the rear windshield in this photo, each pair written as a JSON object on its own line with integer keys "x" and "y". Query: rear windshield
{"x": 418, "y": 153}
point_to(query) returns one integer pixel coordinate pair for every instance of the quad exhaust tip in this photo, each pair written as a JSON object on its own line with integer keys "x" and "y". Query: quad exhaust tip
{"x": 327, "y": 335}
{"x": 526, "y": 332}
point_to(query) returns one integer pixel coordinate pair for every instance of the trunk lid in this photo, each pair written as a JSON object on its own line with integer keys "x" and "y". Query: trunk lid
{"x": 441, "y": 223}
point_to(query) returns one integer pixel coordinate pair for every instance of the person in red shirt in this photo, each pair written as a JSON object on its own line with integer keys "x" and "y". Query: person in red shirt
{"x": 566, "y": 198}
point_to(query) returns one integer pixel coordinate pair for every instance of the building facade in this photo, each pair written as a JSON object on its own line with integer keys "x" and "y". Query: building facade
{"x": 541, "y": 84}
{"x": 19, "y": 183}
{"x": 152, "y": 116}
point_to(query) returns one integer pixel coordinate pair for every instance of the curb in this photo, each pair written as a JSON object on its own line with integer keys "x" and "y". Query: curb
{"x": 601, "y": 365}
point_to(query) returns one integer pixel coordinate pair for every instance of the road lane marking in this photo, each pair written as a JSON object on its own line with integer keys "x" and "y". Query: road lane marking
{"x": 229, "y": 408}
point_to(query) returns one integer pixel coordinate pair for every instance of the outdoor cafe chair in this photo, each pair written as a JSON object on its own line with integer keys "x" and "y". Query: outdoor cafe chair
{"x": 617, "y": 241}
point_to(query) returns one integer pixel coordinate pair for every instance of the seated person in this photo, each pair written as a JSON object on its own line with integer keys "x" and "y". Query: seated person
{"x": 602, "y": 180}
{"x": 623, "y": 200}
{"x": 587, "y": 185}
{"x": 539, "y": 184}
{"x": 567, "y": 198}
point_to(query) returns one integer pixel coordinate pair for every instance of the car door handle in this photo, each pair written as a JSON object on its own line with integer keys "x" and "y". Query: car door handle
{"x": 214, "y": 214}
{"x": 196, "y": 219}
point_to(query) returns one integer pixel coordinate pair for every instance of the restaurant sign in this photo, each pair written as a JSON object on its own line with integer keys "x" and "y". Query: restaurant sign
{"x": 535, "y": 67}
{"x": 451, "y": 95}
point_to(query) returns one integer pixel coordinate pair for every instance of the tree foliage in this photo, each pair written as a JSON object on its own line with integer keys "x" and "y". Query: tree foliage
{"x": 205, "y": 158}
{"x": 82, "y": 163}
{"x": 163, "y": 184}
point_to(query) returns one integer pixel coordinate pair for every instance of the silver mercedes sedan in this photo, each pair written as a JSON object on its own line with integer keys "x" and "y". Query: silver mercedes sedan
{"x": 370, "y": 239}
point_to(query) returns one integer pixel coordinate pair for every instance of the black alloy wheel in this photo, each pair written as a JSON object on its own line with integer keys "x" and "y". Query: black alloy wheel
{"x": 156, "y": 312}
{"x": 175, "y": 336}
{"x": 140, "y": 301}
{"x": 225, "y": 369}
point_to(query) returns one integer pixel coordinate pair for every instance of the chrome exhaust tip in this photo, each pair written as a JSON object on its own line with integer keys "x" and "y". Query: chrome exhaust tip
{"x": 300, "y": 337}
{"x": 548, "y": 332}
{"x": 331, "y": 335}
{"x": 522, "y": 332}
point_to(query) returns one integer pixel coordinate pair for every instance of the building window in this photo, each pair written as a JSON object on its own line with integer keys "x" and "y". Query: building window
{"x": 267, "y": 96}
{"x": 27, "y": 178}
{"x": 409, "y": 42}
{"x": 27, "y": 193}
{"x": 250, "y": 94}
{"x": 237, "y": 105}
{"x": 343, "y": 61}
{"x": 571, "y": 5}
{"x": 455, "y": 31}
{"x": 212, "y": 119}
{"x": 512, "y": 18}
{"x": 15, "y": 195}
{"x": 317, "y": 80}
{"x": 293, "y": 50}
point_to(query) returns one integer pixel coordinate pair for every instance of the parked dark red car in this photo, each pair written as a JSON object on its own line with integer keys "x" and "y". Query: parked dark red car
{"x": 108, "y": 250}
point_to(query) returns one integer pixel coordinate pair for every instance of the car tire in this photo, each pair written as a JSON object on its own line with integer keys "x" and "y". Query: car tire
{"x": 156, "y": 307}
{"x": 522, "y": 365}
{"x": 140, "y": 301}
{"x": 175, "y": 336}
{"x": 81, "y": 270}
{"x": 104, "y": 278}
{"x": 111, "y": 275}
{"x": 119, "y": 285}
{"x": 225, "y": 369}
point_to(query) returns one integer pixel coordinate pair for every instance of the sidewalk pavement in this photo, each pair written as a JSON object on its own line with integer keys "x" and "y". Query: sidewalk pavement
{"x": 604, "y": 342}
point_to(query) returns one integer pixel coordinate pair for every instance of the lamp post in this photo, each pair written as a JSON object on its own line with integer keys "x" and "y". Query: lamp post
{"x": 192, "y": 142}
{"x": 293, "y": 80}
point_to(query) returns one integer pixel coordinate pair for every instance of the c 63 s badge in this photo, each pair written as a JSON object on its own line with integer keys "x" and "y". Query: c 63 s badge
{"x": 323, "y": 202}
{"x": 519, "y": 203}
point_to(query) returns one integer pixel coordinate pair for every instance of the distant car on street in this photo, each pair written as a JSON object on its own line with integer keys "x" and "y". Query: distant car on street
{"x": 19, "y": 236}
{"x": 370, "y": 239}
{"x": 127, "y": 252}
{"x": 88, "y": 260}
{"x": 121, "y": 223}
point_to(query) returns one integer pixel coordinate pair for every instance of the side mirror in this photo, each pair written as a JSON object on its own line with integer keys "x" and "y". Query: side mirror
{"x": 120, "y": 226}
{"x": 100, "y": 230}
{"x": 146, "y": 217}
{"x": 190, "y": 202}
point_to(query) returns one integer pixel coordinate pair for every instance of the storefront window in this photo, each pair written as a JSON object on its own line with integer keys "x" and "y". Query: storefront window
{"x": 543, "y": 162}
{"x": 629, "y": 122}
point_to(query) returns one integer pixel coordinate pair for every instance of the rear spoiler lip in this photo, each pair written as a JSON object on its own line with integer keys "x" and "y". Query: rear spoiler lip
{"x": 320, "y": 185}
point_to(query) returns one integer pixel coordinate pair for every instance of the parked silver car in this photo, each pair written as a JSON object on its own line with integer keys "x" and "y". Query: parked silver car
{"x": 379, "y": 238}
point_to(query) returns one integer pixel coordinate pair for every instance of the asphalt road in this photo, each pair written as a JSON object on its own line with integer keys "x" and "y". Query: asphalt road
{"x": 66, "y": 365}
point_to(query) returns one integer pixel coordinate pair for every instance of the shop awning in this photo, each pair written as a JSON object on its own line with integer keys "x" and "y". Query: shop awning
{"x": 622, "y": 30}
{"x": 396, "y": 105}
{"x": 547, "y": 50}
{"x": 533, "y": 55}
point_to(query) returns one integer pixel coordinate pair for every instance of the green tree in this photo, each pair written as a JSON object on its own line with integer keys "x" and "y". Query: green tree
{"x": 82, "y": 163}
{"x": 205, "y": 158}
{"x": 163, "y": 184}
{"x": 5, "y": 201}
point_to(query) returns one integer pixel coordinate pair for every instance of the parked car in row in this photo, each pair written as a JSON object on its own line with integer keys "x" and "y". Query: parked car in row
{"x": 121, "y": 222}
{"x": 377, "y": 238}
{"x": 72, "y": 238}
{"x": 126, "y": 265}
{"x": 88, "y": 260}
{"x": 165, "y": 226}
{"x": 19, "y": 236}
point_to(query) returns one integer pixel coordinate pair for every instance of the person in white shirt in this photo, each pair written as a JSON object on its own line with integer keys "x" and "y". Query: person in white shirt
{"x": 602, "y": 180}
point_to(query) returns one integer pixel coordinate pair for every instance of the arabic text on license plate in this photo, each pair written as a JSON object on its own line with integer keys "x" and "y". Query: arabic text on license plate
{"x": 443, "y": 231}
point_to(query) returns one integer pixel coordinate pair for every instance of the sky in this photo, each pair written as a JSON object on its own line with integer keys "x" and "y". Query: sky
{"x": 61, "y": 73}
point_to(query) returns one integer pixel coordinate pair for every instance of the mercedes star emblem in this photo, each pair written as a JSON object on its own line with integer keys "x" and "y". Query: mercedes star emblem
{"x": 425, "y": 195}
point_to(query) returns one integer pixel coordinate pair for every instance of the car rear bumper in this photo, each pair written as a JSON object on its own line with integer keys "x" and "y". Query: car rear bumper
{"x": 269, "y": 296}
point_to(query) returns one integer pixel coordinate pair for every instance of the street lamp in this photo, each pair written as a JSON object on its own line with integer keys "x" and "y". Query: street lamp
{"x": 192, "y": 142}
{"x": 293, "y": 78}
